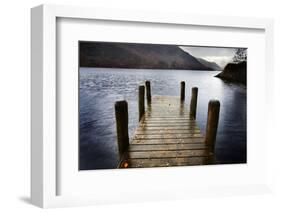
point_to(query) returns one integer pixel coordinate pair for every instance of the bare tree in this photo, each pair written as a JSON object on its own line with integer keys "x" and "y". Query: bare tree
{"x": 240, "y": 55}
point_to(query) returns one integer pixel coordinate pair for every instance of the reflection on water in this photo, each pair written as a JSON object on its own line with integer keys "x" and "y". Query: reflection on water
{"x": 100, "y": 88}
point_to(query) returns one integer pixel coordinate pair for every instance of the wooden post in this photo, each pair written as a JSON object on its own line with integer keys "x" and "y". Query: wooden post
{"x": 182, "y": 91}
{"x": 121, "y": 115}
{"x": 193, "y": 102}
{"x": 148, "y": 92}
{"x": 141, "y": 101}
{"x": 212, "y": 124}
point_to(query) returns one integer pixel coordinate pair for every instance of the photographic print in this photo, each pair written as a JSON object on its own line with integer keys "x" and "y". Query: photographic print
{"x": 158, "y": 105}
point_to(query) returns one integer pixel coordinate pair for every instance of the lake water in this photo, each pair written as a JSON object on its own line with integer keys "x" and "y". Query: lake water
{"x": 100, "y": 88}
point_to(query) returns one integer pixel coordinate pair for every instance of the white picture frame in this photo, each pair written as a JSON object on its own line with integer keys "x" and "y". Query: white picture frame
{"x": 44, "y": 155}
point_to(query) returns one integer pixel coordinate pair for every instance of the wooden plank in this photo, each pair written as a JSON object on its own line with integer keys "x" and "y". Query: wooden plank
{"x": 172, "y": 107}
{"x": 165, "y": 162}
{"x": 165, "y": 131}
{"x": 172, "y": 122}
{"x": 167, "y": 117}
{"x": 168, "y": 154}
{"x": 181, "y": 127}
{"x": 168, "y": 122}
{"x": 170, "y": 103}
{"x": 160, "y": 117}
{"x": 167, "y": 114}
{"x": 158, "y": 106}
{"x": 165, "y": 120}
{"x": 165, "y": 110}
{"x": 168, "y": 136}
{"x": 182, "y": 121}
{"x": 164, "y": 98}
{"x": 163, "y": 147}
{"x": 166, "y": 125}
{"x": 167, "y": 106}
{"x": 168, "y": 141}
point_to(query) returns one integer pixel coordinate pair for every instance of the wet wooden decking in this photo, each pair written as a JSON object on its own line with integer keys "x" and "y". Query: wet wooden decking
{"x": 166, "y": 136}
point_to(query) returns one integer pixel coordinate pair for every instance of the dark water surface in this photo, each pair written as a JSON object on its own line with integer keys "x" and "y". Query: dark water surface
{"x": 100, "y": 88}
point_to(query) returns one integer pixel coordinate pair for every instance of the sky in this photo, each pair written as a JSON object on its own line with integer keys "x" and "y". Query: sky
{"x": 220, "y": 55}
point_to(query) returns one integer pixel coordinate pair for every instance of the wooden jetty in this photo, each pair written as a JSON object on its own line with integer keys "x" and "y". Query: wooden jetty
{"x": 167, "y": 133}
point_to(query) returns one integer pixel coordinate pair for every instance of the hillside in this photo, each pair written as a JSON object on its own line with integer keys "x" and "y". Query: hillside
{"x": 139, "y": 56}
{"x": 212, "y": 65}
{"x": 234, "y": 72}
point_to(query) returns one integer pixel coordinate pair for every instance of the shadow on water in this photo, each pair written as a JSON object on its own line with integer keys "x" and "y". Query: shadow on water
{"x": 232, "y": 137}
{"x": 100, "y": 88}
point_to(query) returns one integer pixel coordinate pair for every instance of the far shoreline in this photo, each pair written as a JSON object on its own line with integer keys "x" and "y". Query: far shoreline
{"x": 147, "y": 69}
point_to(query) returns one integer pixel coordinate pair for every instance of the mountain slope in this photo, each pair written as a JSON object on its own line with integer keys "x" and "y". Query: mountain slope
{"x": 210, "y": 64}
{"x": 144, "y": 56}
